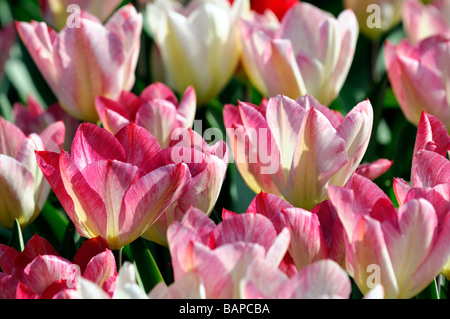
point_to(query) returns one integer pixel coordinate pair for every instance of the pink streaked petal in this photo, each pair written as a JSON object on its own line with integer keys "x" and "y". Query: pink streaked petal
{"x": 435, "y": 261}
{"x": 112, "y": 114}
{"x": 279, "y": 248}
{"x": 93, "y": 143}
{"x": 249, "y": 228}
{"x": 8, "y": 287}
{"x": 43, "y": 271}
{"x": 198, "y": 221}
{"x": 139, "y": 146}
{"x": 401, "y": 189}
{"x": 431, "y": 169}
{"x": 245, "y": 152}
{"x": 368, "y": 248}
{"x": 410, "y": 245}
{"x": 323, "y": 279}
{"x": 284, "y": 119}
{"x": 101, "y": 268}
{"x": 308, "y": 101}
{"x": 431, "y": 130}
{"x": 355, "y": 130}
{"x": 187, "y": 108}
{"x": 375, "y": 169}
{"x": 11, "y": 138}
{"x": 8, "y": 258}
{"x": 159, "y": 118}
{"x": 89, "y": 208}
{"x": 53, "y": 137}
{"x": 307, "y": 242}
{"x": 437, "y": 196}
{"x": 150, "y": 196}
{"x": 268, "y": 205}
{"x": 319, "y": 154}
{"x": 160, "y": 91}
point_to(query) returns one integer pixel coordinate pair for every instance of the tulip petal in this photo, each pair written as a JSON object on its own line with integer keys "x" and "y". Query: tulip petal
{"x": 267, "y": 205}
{"x": 319, "y": 154}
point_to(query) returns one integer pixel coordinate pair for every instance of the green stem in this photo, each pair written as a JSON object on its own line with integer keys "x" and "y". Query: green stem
{"x": 118, "y": 256}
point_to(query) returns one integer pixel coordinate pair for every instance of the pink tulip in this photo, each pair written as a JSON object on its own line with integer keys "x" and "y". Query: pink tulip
{"x": 430, "y": 178}
{"x": 7, "y": 40}
{"x": 33, "y": 118}
{"x": 421, "y": 21}
{"x": 39, "y": 272}
{"x": 315, "y": 235}
{"x": 295, "y": 149}
{"x": 81, "y": 63}
{"x": 113, "y": 186}
{"x": 221, "y": 254}
{"x": 402, "y": 249}
{"x": 419, "y": 75}
{"x": 208, "y": 166}
{"x": 57, "y": 12}
{"x": 156, "y": 109}
{"x": 23, "y": 187}
{"x": 310, "y": 53}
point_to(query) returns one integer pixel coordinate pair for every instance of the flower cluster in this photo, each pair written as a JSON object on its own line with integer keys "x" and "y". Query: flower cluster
{"x": 307, "y": 182}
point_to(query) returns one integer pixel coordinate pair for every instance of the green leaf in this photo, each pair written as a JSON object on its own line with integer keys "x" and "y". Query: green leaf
{"x": 430, "y": 292}
{"x": 68, "y": 247}
{"x": 147, "y": 271}
{"x": 16, "y": 240}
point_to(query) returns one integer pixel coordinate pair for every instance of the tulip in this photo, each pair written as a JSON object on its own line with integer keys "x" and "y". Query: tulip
{"x": 57, "y": 12}
{"x": 419, "y": 75}
{"x": 7, "y": 40}
{"x": 81, "y": 63}
{"x": 278, "y": 7}
{"x": 156, "y": 109}
{"x": 221, "y": 254}
{"x": 199, "y": 44}
{"x": 39, "y": 272}
{"x": 206, "y": 183}
{"x": 310, "y": 53}
{"x": 315, "y": 235}
{"x": 110, "y": 186}
{"x": 429, "y": 173}
{"x": 295, "y": 149}
{"x": 422, "y": 21}
{"x": 33, "y": 118}
{"x": 402, "y": 249}
{"x": 22, "y": 185}
{"x": 376, "y": 17}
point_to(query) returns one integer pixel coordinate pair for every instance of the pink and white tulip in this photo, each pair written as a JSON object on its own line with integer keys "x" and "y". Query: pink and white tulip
{"x": 402, "y": 249}
{"x": 295, "y": 149}
{"x": 157, "y": 109}
{"x": 198, "y": 44}
{"x": 33, "y": 118}
{"x": 23, "y": 187}
{"x": 221, "y": 254}
{"x": 422, "y": 21}
{"x": 420, "y": 77}
{"x": 39, "y": 272}
{"x": 376, "y": 17}
{"x": 81, "y": 63}
{"x": 57, "y": 12}
{"x": 429, "y": 173}
{"x": 110, "y": 185}
{"x": 310, "y": 53}
{"x": 208, "y": 166}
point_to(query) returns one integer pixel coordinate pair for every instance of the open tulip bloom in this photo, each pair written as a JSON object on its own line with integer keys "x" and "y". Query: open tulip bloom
{"x": 23, "y": 187}
{"x": 114, "y": 186}
{"x": 295, "y": 149}
{"x": 87, "y": 60}
{"x": 310, "y": 53}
